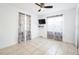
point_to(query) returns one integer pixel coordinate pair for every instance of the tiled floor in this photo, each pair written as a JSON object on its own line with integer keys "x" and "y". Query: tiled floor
{"x": 40, "y": 46}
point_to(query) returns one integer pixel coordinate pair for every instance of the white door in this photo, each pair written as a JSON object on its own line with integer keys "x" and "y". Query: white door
{"x": 28, "y": 27}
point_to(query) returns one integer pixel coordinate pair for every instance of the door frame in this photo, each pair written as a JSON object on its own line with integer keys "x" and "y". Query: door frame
{"x": 25, "y": 38}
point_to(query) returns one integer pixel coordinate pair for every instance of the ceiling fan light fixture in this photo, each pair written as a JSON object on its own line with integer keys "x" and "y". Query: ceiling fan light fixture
{"x": 42, "y": 9}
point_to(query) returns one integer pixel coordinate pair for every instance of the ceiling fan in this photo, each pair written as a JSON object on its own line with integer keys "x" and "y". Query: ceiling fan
{"x": 42, "y": 5}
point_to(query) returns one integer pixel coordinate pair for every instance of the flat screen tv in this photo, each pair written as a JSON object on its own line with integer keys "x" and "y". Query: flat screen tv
{"x": 42, "y": 21}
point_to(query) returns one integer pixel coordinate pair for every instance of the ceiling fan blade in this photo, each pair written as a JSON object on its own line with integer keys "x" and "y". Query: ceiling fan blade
{"x": 48, "y": 6}
{"x": 38, "y": 4}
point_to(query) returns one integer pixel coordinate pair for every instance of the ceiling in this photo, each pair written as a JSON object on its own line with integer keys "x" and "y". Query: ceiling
{"x": 28, "y": 7}
{"x": 31, "y": 7}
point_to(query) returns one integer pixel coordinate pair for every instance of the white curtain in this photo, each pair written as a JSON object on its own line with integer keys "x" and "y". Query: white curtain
{"x": 55, "y": 24}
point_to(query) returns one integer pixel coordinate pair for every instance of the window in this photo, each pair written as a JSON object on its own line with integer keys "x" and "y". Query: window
{"x": 55, "y": 24}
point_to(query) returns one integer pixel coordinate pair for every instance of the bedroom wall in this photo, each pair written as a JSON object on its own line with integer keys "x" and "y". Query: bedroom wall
{"x": 69, "y": 25}
{"x": 9, "y": 24}
{"x": 34, "y": 27}
{"x": 77, "y": 27}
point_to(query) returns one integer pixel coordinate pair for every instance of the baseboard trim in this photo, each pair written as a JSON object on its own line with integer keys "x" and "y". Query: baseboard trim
{"x": 7, "y": 45}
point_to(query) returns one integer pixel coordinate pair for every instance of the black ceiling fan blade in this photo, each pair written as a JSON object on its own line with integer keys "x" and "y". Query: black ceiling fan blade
{"x": 38, "y": 4}
{"x": 48, "y": 6}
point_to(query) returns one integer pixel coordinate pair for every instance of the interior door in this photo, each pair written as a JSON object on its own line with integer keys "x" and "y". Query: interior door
{"x": 21, "y": 28}
{"x": 24, "y": 29}
{"x": 28, "y": 27}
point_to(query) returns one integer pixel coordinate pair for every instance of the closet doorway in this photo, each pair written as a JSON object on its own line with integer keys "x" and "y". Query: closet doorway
{"x": 24, "y": 28}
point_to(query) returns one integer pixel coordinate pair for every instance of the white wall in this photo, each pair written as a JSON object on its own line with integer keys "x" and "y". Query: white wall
{"x": 77, "y": 27}
{"x": 69, "y": 24}
{"x": 42, "y": 31}
{"x": 34, "y": 27}
{"x": 9, "y": 24}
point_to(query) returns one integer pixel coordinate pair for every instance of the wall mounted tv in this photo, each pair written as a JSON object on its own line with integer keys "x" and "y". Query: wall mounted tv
{"x": 42, "y": 21}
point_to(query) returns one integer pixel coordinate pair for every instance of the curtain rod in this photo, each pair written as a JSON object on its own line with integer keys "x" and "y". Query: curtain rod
{"x": 55, "y": 16}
